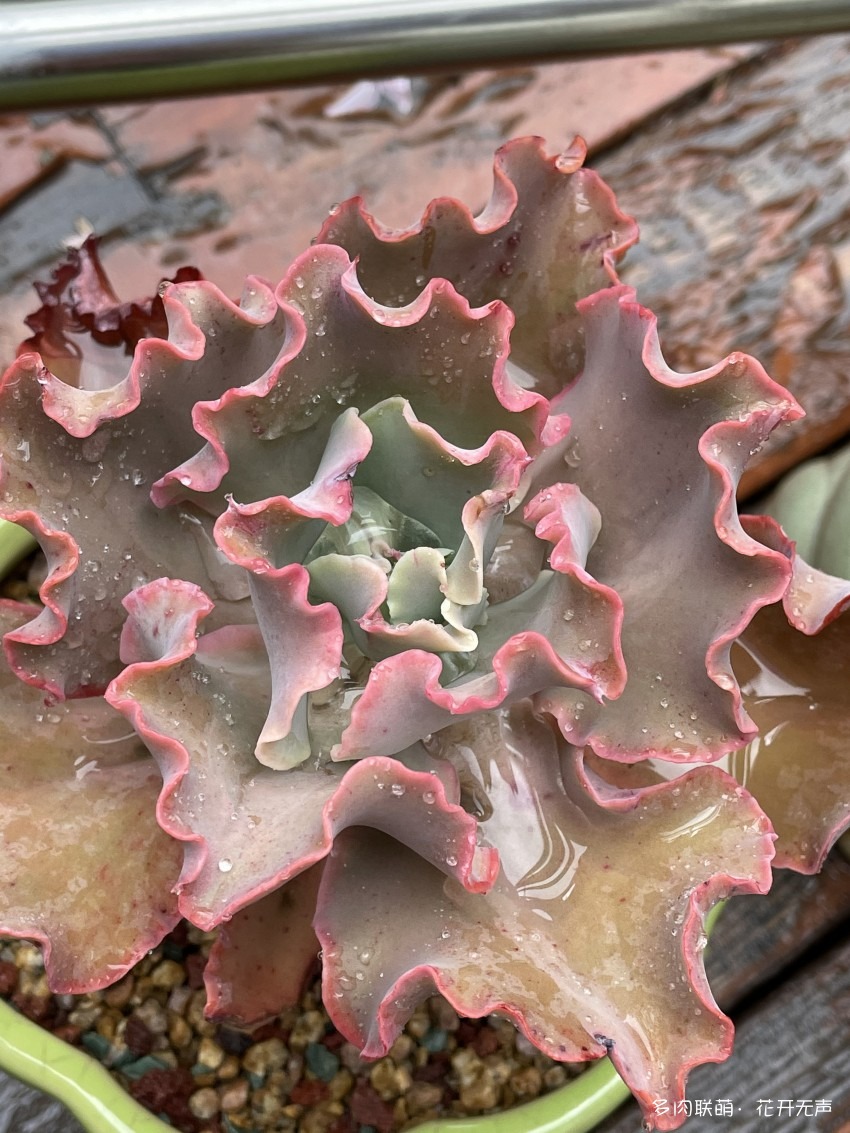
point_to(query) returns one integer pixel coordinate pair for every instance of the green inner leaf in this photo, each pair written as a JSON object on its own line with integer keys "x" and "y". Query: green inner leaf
{"x": 375, "y": 529}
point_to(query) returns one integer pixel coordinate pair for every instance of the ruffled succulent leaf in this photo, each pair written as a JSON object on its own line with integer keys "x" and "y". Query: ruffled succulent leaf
{"x": 262, "y": 957}
{"x": 83, "y": 331}
{"x": 445, "y": 359}
{"x": 77, "y": 470}
{"x": 548, "y": 237}
{"x": 660, "y": 453}
{"x": 304, "y": 642}
{"x": 812, "y": 504}
{"x": 85, "y": 869}
{"x": 591, "y": 937}
{"x": 791, "y": 665}
{"x": 200, "y": 705}
{"x": 812, "y": 598}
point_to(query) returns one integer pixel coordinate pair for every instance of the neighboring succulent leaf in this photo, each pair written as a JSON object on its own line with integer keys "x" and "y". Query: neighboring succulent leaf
{"x": 660, "y": 454}
{"x": 78, "y": 465}
{"x": 262, "y": 957}
{"x": 548, "y": 237}
{"x": 85, "y": 870}
{"x": 83, "y": 331}
{"x": 591, "y": 937}
{"x": 798, "y": 767}
{"x": 200, "y": 705}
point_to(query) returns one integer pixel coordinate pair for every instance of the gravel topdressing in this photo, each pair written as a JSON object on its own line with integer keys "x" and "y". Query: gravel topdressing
{"x": 294, "y": 1074}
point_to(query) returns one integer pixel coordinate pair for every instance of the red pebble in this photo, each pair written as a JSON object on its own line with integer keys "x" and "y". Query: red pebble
{"x": 343, "y": 1124}
{"x": 68, "y": 1033}
{"x": 368, "y": 1109}
{"x": 138, "y": 1036}
{"x": 167, "y": 1091}
{"x": 39, "y": 1010}
{"x": 485, "y": 1042}
{"x": 194, "y": 965}
{"x": 308, "y": 1092}
{"x": 8, "y": 977}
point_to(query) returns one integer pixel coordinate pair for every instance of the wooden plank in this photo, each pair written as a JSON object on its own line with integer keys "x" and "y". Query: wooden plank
{"x": 25, "y": 1110}
{"x": 756, "y": 938}
{"x": 744, "y": 207}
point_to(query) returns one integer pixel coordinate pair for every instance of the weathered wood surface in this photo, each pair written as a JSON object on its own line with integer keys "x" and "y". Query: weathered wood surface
{"x": 793, "y": 1035}
{"x": 24, "y": 1110}
{"x": 743, "y": 203}
{"x": 757, "y": 938}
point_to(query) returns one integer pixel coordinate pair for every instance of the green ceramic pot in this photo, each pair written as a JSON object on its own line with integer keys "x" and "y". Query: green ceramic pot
{"x": 37, "y": 1057}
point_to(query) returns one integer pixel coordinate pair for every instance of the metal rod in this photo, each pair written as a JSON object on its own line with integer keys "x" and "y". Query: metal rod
{"x": 55, "y": 52}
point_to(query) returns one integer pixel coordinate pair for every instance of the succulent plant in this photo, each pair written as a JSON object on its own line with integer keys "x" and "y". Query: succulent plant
{"x": 403, "y": 610}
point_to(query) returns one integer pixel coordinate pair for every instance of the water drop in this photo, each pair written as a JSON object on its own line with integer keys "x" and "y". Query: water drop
{"x": 225, "y": 865}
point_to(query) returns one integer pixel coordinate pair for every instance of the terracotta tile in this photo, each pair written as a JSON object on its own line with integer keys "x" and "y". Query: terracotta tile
{"x": 278, "y": 162}
{"x": 30, "y": 152}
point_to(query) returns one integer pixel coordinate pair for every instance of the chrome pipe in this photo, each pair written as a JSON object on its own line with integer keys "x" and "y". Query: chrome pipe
{"x": 60, "y": 52}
